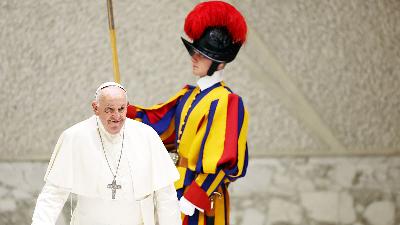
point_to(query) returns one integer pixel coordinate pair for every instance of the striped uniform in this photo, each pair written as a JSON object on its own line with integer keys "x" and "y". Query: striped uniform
{"x": 209, "y": 130}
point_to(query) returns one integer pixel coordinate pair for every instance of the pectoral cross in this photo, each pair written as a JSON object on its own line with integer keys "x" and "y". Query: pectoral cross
{"x": 114, "y": 186}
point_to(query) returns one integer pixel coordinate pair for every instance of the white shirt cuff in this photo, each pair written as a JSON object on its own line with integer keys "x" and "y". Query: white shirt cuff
{"x": 187, "y": 207}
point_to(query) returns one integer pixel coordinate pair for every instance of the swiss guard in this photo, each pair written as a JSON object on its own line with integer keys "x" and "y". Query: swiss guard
{"x": 204, "y": 127}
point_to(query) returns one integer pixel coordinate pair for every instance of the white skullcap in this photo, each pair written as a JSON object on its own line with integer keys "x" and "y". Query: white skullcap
{"x": 108, "y": 84}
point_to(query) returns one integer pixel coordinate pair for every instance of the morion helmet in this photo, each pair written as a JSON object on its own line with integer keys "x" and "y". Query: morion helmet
{"x": 217, "y": 29}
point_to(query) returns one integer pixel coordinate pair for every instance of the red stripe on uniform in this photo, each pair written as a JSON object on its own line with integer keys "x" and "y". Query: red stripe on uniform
{"x": 229, "y": 155}
{"x": 197, "y": 196}
{"x": 157, "y": 114}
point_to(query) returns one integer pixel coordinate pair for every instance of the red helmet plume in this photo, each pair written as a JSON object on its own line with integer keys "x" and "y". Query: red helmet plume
{"x": 216, "y": 14}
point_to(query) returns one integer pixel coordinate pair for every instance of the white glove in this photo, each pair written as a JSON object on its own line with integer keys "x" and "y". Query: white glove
{"x": 186, "y": 207}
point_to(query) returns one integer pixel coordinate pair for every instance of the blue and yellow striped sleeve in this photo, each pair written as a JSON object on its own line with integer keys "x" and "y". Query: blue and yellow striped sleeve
{"x": 160, "y": 117}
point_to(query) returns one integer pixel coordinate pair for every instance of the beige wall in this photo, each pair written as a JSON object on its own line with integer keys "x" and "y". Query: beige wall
{"x": 318, "y": 77}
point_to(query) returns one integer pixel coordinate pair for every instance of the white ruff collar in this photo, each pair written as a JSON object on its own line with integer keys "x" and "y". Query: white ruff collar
{"x": 208, "y": 81}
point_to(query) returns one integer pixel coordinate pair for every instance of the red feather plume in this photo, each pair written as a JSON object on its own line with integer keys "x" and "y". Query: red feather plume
{"x": 216, "y": 13}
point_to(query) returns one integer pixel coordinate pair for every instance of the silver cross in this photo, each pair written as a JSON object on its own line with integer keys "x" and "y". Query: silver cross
{"x": 114, "y": 186}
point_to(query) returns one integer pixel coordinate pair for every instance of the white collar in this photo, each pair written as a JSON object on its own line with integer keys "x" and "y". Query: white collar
{"x": 208, "y": 81}
{"x": 110, "y": 137}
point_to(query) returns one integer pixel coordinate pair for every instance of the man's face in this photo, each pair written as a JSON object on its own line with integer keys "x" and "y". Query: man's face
{"x": 111, "y": 108}
{"x": 200, "y": 64}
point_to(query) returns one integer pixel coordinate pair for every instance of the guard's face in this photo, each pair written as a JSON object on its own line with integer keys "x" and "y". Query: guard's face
{"x": 111, "y": 109}
{"x": 200, "y": 64}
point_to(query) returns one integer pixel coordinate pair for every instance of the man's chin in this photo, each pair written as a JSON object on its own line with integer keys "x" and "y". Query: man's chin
{"x": 196, "y": 74}
{"x": 114, "y": 130}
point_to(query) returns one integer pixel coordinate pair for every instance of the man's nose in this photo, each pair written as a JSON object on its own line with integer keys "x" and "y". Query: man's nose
{"x": 116, "y": 114}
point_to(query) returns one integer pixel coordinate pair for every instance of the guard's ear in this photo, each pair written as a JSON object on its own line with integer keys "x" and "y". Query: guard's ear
{"x": 95, "y": 108}
{"x": 221, "y": 66}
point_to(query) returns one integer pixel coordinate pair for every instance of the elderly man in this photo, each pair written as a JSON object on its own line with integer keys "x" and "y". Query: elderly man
{"x": 118, "y": 168}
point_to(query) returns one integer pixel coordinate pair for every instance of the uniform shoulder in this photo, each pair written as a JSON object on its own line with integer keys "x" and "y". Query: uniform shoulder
{"x": 234, "y": 95}
{"x": 189, "y": 87}
{"x": 231, "y": 93}
{"x": 224, "y": 92}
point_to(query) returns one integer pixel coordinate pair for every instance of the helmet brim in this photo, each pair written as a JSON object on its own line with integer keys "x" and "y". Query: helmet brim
{"x": 192, "y": 49}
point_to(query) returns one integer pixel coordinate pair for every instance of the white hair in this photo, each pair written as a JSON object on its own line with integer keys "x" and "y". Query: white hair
{"x": 105, "y": 85}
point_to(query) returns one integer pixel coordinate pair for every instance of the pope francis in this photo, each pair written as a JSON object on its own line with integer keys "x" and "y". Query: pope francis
{"x": 118, "y": 168}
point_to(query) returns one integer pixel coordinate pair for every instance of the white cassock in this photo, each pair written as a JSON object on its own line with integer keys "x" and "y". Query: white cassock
{"x": 79, "y": 165}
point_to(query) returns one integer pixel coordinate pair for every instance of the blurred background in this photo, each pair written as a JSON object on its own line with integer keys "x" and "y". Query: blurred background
{"x": 321, "y": 81}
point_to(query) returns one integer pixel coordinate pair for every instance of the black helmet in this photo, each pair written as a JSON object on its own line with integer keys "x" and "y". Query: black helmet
{"x": 218, "y": 31}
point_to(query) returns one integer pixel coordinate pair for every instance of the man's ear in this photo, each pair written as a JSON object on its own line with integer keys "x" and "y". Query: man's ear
{"x": 221, "y": 66}
{"x": 95, "y": 108}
